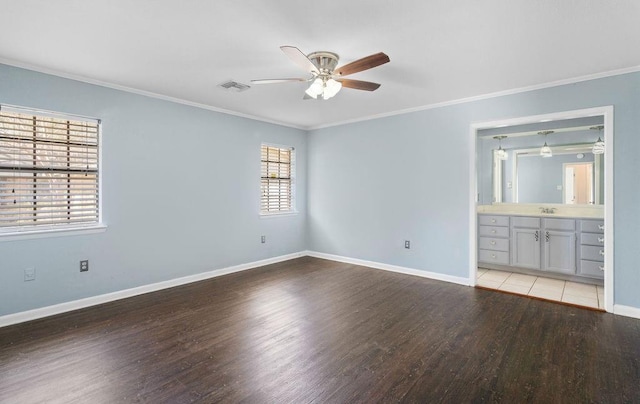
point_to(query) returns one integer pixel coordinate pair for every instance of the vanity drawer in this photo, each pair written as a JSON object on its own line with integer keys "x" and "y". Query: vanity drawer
{"x": 559, "y": 224}
{"x": 591, "y": 268}
{"x": 592, "y": 226}
{"x": 591, "y": 253}
{"x": 495, "y": 257}
{"x": 493, "y": 220}
{"x": 494, "y": 231}
{"x": 496, "y": 244}
{"x": 531, "y": 222}
{"x": 591, "y": 239}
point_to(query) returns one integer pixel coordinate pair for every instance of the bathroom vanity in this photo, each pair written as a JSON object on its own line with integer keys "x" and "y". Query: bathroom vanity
{"x": 568, "y": 246}
{"x": 542, "y": 213}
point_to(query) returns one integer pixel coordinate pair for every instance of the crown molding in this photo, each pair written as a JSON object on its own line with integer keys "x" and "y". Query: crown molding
{"x": 150, "y": 94}
{"x": 137, "y": 91}
{"x": 503, "y": 93}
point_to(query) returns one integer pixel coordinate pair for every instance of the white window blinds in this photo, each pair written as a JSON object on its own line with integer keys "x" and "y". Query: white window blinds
{"x": 276, "y": 179}
{"x": 48, "y": 170}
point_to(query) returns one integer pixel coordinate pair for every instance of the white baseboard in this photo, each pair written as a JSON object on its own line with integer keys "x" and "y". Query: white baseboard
{"x": 42, "y": 312}
{"x": 618, "y": 309}
{"x": 34, "y": 314}
{"x": 392, "y": 268}
{"x": 626, "y": 311}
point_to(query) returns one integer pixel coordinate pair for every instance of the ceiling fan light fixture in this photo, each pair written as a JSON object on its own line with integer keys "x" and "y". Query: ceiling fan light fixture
{"x": 331, "y": 88}
{"x": 323, "y": 87}
{"x": 315, "y": 89}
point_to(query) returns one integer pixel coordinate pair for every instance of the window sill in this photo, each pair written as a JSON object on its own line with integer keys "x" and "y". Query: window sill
{"x": 52, "y": 232}
{"x": 279, "y": 214}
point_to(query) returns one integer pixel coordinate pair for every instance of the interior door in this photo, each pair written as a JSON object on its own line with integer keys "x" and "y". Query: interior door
{"x": 578, "y": 183}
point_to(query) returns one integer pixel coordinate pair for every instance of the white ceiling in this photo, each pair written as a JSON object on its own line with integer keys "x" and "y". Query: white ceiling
{"x": 440, "y": 50}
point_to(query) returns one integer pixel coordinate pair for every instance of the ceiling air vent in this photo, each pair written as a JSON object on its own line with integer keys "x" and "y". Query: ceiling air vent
{"x": 234, "y": 86}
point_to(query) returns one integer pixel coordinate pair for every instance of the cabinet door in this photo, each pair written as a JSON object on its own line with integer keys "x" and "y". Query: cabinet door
{"x": 525, "y": 248}
{"x": 559, "y": 251}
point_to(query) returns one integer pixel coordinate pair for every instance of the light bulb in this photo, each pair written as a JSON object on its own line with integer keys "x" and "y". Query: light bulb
{"x": 502, "y": 154}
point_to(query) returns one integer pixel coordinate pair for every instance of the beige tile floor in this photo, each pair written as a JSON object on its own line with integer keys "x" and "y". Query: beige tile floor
{"x": 546, "y": 288}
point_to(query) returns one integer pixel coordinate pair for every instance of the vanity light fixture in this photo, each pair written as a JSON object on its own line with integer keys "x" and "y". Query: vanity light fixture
{"x": 598, "y": 146}
{"x": 545, "y": 151}
{"x": 501, "y": 153}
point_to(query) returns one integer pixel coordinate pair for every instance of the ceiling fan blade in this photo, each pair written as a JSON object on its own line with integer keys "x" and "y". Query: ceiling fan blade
{"x": 365, "y": 63}
{"x": 359, "y": 84}
{"x": 272, "y": 81}
{"x": 299, "y": 58}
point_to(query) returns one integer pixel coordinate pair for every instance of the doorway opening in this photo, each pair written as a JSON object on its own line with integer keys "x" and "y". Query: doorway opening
{"x": 578, "y": 183}
{"x": 567, "y": 225}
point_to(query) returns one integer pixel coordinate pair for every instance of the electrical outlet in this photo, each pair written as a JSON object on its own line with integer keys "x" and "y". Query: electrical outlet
{"x": 29, "y": 274}
{"x": 407, "y": 244}
{"x": 263, "y": 239}
{"x": 84, "y": 265}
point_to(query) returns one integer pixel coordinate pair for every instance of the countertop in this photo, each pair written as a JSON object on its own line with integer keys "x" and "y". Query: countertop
{"x": 561, "y": 211}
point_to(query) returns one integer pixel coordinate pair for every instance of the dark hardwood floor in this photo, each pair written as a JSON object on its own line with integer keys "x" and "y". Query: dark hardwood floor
{"x": 310, "y": 330}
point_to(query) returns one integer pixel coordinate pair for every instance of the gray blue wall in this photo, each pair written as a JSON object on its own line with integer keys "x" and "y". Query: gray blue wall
{"x": 363, "y": 188}
{"x": 376, "y": 183}
{"x": 181, "y": 189}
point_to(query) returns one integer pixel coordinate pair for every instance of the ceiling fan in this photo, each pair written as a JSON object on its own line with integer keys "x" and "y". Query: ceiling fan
{"x": 326, "y": 80}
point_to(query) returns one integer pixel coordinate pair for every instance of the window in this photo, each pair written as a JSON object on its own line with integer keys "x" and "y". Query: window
{"x": 48, "y": 171}
{"x": 277, "y": 175}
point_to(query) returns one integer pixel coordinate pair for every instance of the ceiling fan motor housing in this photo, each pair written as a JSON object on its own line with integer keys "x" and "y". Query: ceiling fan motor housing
{"x": 326, "y": 62}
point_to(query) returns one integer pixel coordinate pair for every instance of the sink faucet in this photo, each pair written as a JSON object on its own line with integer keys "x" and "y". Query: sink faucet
{"x": 548, "y": 210}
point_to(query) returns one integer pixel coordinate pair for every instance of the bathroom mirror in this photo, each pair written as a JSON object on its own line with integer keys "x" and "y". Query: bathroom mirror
{"x": 513, "y": 170}
{"x": 573, "y": 175}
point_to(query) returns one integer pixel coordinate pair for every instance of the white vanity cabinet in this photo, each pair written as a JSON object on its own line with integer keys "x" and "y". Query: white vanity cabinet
{"x": 591, "y": 261}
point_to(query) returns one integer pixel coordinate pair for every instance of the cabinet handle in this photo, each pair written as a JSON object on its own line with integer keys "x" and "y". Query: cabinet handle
{"x": 601, "y": 267}
{"x": 493, "y": 220}
{"x": 600, "y": 227}
{"x": 600, "y": 239}
{"x": 493, "y": 231}
{"x": 601, "y": 252}
{"x": 493, "y": 243}
{"x": 493, "y": 255}
{"x": 537, "y": 236}
{"x": 546, "y": 237}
